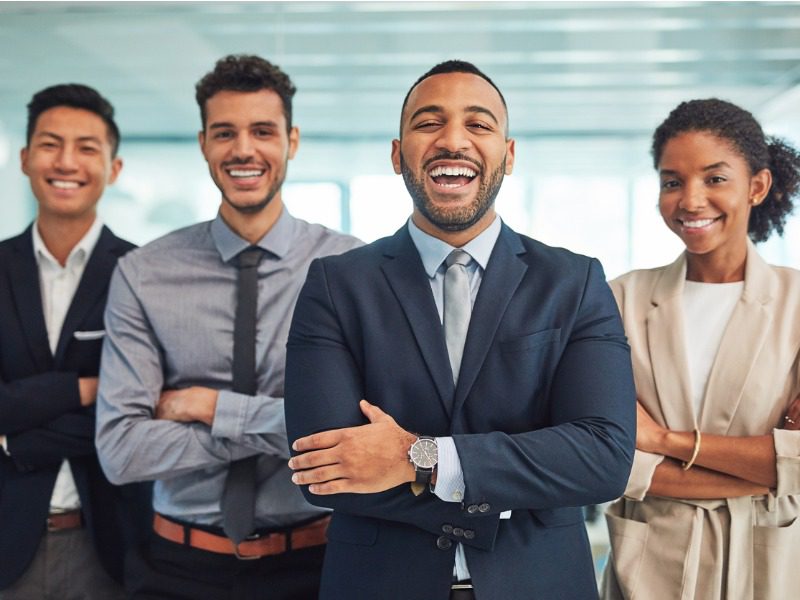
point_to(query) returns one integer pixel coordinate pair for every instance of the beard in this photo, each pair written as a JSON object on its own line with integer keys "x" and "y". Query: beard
{"x": 462, "y": 217}
{"x": 251, "y": 209}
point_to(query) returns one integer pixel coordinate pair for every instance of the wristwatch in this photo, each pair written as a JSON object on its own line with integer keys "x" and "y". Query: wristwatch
{"x": 424, "y": 455}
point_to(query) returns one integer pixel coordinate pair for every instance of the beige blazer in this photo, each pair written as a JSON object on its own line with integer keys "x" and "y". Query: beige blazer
{"x": 734, "y": 548}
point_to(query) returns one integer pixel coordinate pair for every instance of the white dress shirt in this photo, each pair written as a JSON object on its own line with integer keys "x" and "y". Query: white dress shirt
{"x": 58, "y": 285}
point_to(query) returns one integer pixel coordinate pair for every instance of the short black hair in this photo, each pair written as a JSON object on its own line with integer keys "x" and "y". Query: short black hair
{"x": 245, "y": 73}
{"x": 452, "y": 66}
{"x": 740, "y": 129}
{"x": 74, "y": 95}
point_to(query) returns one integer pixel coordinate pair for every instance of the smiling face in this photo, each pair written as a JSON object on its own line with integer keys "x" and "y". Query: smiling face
{"x": 68, "y": 161}
{"x": 707, "y": 192}
{"x": 247, "y": 148}
{"x": 453, "y": 154}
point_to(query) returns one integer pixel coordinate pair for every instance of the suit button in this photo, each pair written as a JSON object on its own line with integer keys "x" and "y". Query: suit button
{"x": 458, "y": 532}
{"x": 443, "y": 543}
{"x": 469, "y": 534}
{"x": 472, "y": 509}
{"x": 484, "y": 507}
{"x": 447, "y": 528}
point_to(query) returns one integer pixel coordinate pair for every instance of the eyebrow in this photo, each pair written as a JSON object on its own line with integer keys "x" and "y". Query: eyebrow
{"x": 224, "y": 124}
{"x": 84, "y": 138}
{"x": 716, "y": 165}
{"x": 433, "y": 108}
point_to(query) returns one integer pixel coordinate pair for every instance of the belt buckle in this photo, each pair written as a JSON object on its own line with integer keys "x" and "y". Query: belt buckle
{"x": 249, "y": 538}
{"x": 51, "y": 528}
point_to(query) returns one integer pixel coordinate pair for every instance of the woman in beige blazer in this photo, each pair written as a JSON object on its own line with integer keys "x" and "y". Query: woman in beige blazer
{"x": 710, "y": 511}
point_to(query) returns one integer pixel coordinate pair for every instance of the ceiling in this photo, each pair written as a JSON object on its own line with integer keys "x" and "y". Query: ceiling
{"x": 566, "y": 68}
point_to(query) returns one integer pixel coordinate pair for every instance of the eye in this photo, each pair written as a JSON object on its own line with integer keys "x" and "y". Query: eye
{"x": 89, "y": 149}
{"x": 717, "y": 179}
{"x": 263, "y": 133}
{"x": 670, "y": 184}
{"x": 479, "y": 127}
{"x": 427, "y": 125}
{"x": 222, "y": 135}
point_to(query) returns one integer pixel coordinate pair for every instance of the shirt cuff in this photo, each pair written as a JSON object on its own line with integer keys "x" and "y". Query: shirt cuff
{"x": 449, "y": 477}
{"x": 229, "y": 415}
{"x": 4, "y": 445}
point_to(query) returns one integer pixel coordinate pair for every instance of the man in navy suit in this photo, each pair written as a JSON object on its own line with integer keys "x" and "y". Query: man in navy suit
{"x": 503, "y": 433}
{"x": 64, "y": 526}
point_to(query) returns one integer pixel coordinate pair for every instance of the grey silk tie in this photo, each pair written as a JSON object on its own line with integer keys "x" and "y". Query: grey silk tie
{"x": 457, "y": 307}
{"x": 238, "y": 497}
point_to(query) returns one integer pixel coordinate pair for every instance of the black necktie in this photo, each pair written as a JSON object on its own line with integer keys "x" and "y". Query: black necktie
{"x": 238, "y": 497}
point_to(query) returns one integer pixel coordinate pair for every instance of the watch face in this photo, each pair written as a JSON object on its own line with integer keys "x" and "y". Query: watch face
{"x": 424, "y": 453}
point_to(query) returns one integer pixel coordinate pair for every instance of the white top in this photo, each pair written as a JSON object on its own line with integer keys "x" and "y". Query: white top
{"x": 58, "y": 286}
{"x": 707, "y": 308}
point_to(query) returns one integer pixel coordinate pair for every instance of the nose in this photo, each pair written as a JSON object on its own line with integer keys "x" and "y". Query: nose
{"x": 453, "y": 138}
{"x": 66, "y": 160}
{"x": 243, "y": 147}
{"x": 693, "y": 198}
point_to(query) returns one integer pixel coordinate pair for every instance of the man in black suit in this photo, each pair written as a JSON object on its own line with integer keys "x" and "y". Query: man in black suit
{"x": 64, "y": 527}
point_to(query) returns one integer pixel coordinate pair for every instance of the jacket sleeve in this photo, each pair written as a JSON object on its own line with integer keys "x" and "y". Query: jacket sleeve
{"x": 69, "y": 436}
{"x": 32, "y": 401}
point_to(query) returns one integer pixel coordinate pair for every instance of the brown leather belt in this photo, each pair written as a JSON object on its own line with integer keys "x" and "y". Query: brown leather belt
{"x": 63, "y": 521}
{"x": 268, "y": 544}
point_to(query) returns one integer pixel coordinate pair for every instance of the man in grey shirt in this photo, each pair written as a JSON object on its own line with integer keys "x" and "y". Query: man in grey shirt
{"x": 166, "y": 409}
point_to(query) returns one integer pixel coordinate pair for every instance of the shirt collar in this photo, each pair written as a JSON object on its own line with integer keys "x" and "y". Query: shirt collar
{"x": 277, "y": 241}
{"x": 78, "y": 255}
{"x": 433, "y": 251}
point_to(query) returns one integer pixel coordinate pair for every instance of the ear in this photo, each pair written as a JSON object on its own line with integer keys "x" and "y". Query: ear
{"x": 23, "y": 160}
{"x": 396, "y": 157}
{"x": 294, "y": 141}
{"x": 760, "y": 184}
{"x": 116, "y": 167}
{"x": 510, "y": 148}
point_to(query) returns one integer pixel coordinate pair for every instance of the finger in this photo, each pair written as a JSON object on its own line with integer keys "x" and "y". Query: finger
{"x": 372, "y": 412}
{"x": 337, "y": 486}
{"x": 325, "y": 439}
{"x": 316, "y": 476}
{"x": 312, "y": 459}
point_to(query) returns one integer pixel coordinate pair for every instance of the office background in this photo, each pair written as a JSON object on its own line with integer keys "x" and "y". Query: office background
{"x": 586, "y": 84}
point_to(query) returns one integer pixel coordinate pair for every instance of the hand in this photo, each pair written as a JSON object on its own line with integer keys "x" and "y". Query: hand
{"x": 362, "y": 460}
{"x": 791, "y": 420}
{"x": 649, "y": 434}
{"x": 188, "y": 405}
{"x": 87, "y": 390}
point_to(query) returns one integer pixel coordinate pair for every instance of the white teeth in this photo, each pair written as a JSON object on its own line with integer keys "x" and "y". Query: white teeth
{"x": 64, "y": 185}
{"x": 245, "y": 173}
{"x": 698, "y": 223}
{"x": 453, "y": 172}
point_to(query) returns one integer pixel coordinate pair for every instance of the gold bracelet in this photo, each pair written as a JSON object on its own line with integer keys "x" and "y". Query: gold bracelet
{"x": 688, "y": 465}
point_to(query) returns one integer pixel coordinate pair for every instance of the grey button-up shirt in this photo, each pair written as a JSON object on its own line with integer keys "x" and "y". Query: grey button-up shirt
{"x": 169, "y": 323}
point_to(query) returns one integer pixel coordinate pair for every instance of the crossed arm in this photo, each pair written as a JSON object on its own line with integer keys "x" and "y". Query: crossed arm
{"x": 725, "y": 466}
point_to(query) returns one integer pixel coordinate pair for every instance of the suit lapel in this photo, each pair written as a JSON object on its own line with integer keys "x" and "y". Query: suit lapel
{"x": 92, "y": 287}
{"x": 666, "y": 345}
{"x": 502, "y": 277}
{"x": 407, "y": 278}
{"x": 734, "y": 360}
{"x": 25, "y": 286}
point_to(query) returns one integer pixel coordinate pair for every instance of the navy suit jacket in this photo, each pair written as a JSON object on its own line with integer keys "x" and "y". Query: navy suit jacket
{"x": 543, "y": 416}
{"x": 41, "y": 415}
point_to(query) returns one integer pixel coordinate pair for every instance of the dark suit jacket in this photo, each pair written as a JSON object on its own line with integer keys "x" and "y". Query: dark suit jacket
{"x": 41, "y": 415}
{"x": 543, "y": 416}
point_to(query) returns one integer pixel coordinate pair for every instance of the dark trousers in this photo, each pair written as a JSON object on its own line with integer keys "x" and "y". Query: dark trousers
{"x": 163, "y": 570}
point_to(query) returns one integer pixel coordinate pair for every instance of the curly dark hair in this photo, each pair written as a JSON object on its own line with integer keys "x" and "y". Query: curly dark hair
{"x": 737, "y": 126}
{"x": 245, "y": 73}
{"x": 73, "y": 95}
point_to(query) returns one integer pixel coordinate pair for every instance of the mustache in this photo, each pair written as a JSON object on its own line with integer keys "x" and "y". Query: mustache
{"x": 445, "y": 155}
{"x": 239, "y": 162}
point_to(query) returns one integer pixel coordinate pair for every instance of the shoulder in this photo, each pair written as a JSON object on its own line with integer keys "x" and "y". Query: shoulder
{"x": 321, "y": 240}
{"x": 175, "y": 242}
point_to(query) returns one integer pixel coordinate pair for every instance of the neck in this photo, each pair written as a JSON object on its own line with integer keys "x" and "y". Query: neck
{"x": 60, "y": 235}
{"x": 457, "y": 239}
{"x": 717, "y": 267}
{"x": 252, "y": 226}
